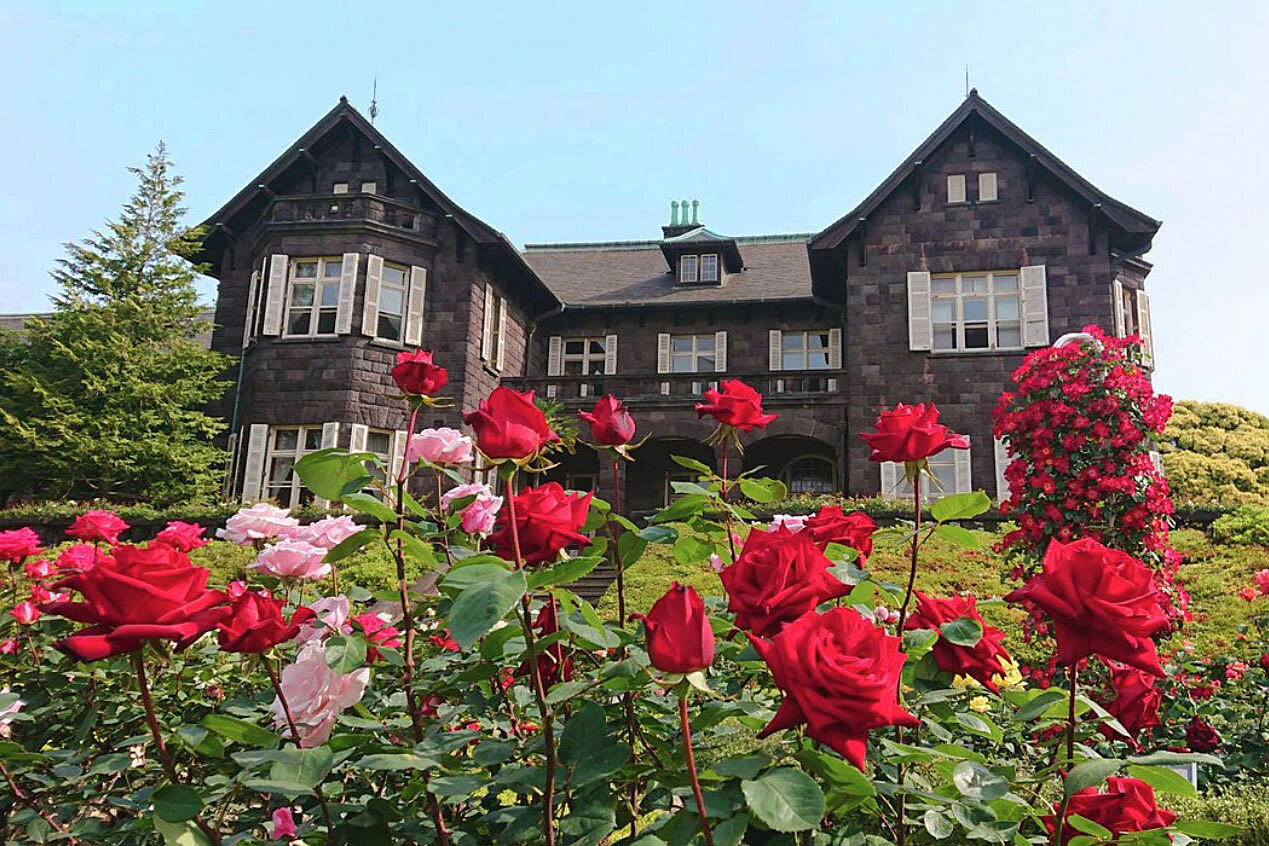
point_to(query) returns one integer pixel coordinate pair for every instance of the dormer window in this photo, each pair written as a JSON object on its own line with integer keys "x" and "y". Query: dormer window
{"x": 698, "y": 268}
{"x": 689, "y": 269}
{"x": 709, "y": 267}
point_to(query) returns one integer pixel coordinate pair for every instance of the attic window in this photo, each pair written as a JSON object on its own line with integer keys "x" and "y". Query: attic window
{"x": 709, "y": 267}
{"x": 987, "y": 187}
{"x": 688, "y": 269}
{"x": 368, "y": 187}
{"x": 698, "y": 268}
{"x": 339, "y": 188}
{"x": 956, "y": 188}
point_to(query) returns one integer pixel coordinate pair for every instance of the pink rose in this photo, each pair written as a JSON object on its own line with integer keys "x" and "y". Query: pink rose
{"x": 793, "y": 522}
{"x": 283, "y": 824}
{"x": 38, "y": 569}
{"x": 289, "y": 559}
{"x": 332, "y": 617}
{"x": 182, "y": 536}
{"x": 7, "y": 712}
{"x": 97, "y": 526}
{"x": 79, "y": 556}
{"x": 440, "y": 446}
{"x": 259, "y": 522}
{"x": 8, "y": 646}
{"x": 25, "y": 613}
{"x": 478, "y": 517}
{"x": 316, "y": 694}
{"x": 17, "y": 545}
{"x": 327, "y": 532}
{"x": 235, "y": 589}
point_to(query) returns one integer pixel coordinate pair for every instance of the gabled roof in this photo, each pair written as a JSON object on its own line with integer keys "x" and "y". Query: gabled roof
{"x": 479, "y": 231}
{"x": 701, "y": 237}
{"x": 1140, "y": 227}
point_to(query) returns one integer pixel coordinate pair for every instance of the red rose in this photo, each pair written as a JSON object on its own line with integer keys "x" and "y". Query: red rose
{"x": 509, "y": 425}
{"x": 610, "y": 422}
{"x": 97, "y": 526}
{"x": 1200, "y": 736}
{"x": 19, "y": 544}
{"x": 554, "y": 665}
{"x": 980, "y": 662}
{"x": 830, "y": 525}
{"x": 1127, "y": 805}
{"x": 911, "y": 433}
{"x": 547, "y": 520}
{"x": 1102, "y": 602}
{"x": 1136, "y": 703}
{"x": 255, "y": 624}
{"x": 378, "y": 633}
{"x": 736, "y": 405}
{"x": 183, "y": 536}
{"x": 839, "y": 674}
{"x": 142, "y": 593}
{"x": 415, "y": 373}
{"x": 778, "y": 577}
{"x": 1264, "y": 662}
{"x": 680, "y": 639}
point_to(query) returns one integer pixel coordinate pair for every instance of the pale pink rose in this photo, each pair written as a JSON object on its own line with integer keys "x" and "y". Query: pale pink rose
{"x": 478, "y": 517}
{"x": 793, "y": 522}
{"x": 332, "y": 617}
{"x": 716, "y": 563}
{"x": 326, "y": 532}
{"x": 316, "y": 694}
{"x": 7, "y": 712}
{"x": 292, "y": 560}
{"x": 235, "y": 589}
{"x": 283, "y": 824}
{"x": 440, "y": 446}
{"x": 258, "y": 522}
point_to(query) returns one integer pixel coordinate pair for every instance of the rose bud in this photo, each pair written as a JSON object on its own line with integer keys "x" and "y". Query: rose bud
{"x": 736, "y": 405}
{"x": 508, "y": 424}
{"x": 255, "y": 624}
{"x": 610, "y": 422}
{"x": 680, "y": 639}
{"x": 415, "y": 373}
{"x": 911, "y": 433}
{"x": 1136, "y": 703}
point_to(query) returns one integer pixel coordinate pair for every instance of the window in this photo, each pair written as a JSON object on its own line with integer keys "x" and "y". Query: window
{"x": 943, "y": 466}
{"x": 709, "y": 267}
{"x": 668, "y": 489}
{"x": 339, "y": 188}
{"x": 804, "y": 350}
{"x": 492, "y": 339}
{"x": 692, "y": 353}
{"x": 956, "y": 188}
{"x": 987, "y": 187}
{"x": 393, "y": 286}
{"x": 702, "y": 268}
{"x": 368, "y": 187}
{"x": 286, "y": 445}
{"x": 314, "y": 297}
{"x": 581, "y": 482}
{"x": 379, "y": 441}
{"x": 584, "y": 356}
{"x": 688, "y": 266}
{"x": 812, "y": 474}
{"x": 976, "y": 311}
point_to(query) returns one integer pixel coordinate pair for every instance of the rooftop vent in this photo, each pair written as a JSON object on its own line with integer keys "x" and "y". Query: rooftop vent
{"x": 685, "y": 216}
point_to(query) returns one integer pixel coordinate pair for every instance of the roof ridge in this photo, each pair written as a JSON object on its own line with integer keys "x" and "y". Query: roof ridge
{"x": 788, "y": 238}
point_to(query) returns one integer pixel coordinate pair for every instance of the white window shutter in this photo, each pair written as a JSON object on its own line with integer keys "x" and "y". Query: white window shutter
{"x": 415, "y": 306}
{"x": 275, "y": 300}
{"x": 1144, "y": 329}
{"x": 357, "y": 437}
{"x": 555, "y": 356}
{"x": 663, "y": 353}
{"x": 551, "y": 391}
{"x": 1002, "y": 461}
{"x": 610, "y": 355}
{"x": 1117, "y": 306}
{"x": 251, "y": 309}
{"x": 665, "y": 389}
{"x": 398, "y": 453}
{"x": 720, "y": 352}
{"x": 231, "y": 467}
{"x": 253, "y": 468}
{"x": 775, "y": 350}
{"x": 1156, "y": 458}
{"x": 486, "y": 335}
{"x": 956, "y": 188}
{"x": 831, "y": 385}
{"x": 890, "y": 472}
{"x": 962, "y": 480}
{"x": 920, "y": 326}
{"x": 835, "y": 349}
{"x": 987, "y": 187}
{"x": 330, "y": 435}
{"x": 347, "y": 292}
{"x": 500, "y": 354}
{"x": 370, "y": 305}
{"x": 583, "y": 390}
{"x": 1035, "y": 306}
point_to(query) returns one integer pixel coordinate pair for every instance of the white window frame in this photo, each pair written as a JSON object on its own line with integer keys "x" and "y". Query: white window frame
{"x": 695, "y": 354}
{"x": 803, "y": 350}
{"x": 290, "y": 492}
{"x": 385, "y": 456}
{"x": 369, "y": 187}
{"x": 587, "y": 357}
{"x": 689, "y": 268}
{"x": 958, "y": 299}
{"x": 709, "y": 260}
{"x": 956, "y": 189}
{"x": 404, "y": 288}
{"x": 787, "y": 473}
{"x": 988, "y": 179}
{"x": 320, "y": 283}
{"x": 339, "y": 188}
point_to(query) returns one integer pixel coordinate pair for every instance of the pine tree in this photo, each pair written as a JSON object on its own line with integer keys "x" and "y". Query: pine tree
{"x": 106, "y": 397}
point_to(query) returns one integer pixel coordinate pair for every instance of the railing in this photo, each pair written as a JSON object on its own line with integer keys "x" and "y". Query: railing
{"x": 341, "y": 207}
{"x": 792, "y": 387}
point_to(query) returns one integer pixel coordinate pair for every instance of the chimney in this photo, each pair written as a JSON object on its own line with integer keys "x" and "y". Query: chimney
{"x": 679, "y": 218}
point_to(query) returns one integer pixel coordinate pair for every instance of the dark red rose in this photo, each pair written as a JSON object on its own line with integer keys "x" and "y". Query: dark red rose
{"x": 510, "y": 425}
{"x": 839, "y": 674}
{"x": 183, "y": 536}
{"x": 980, "y": 662}
{"x": 415, "y": 373}
{"x": 17, "y": 545}
{"x": 1200, "y": 736}
{"x": 1136, "y": 703}
{"x": 97, "y": 526}
{"x": 610, "y": 422}
{"x": 778, "y": 577}
{"x": 736, "y": 405}
{"x": 553, "y": 663}
{"x": 680, "y": 639}
{"x": 830, "y": 525}
{"x": 255, "y": 624}
{"x": 139, "y": 594}
{"x": 911, "y": 433}
{"x": 1102, "y": 602}
{"x": 548, "y": 519}
{"x": 1264, "y": 662}
{"x": 1127, "y": 805}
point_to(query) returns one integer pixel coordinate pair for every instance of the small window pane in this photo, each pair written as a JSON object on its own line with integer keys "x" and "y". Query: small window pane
{"x": 709, "y": 268}
{"x": 975, "y": 309}
{"x": 389, "y": 326}
{"x": 1005, "y": 283}
{"x": 681, "y": 364}
{"x": 687, "y": 265}
{"x": 330, "y": 295}
{"x": 817, "y": 340}
{"x": 817, "y": 361}
{"x": 391, "y": 300}
{"x": 943, "y": 286}
{"x": 285, "y": 439}
{"x": 333, "y": 268}
{"x": 280, "y": 473}
{"x": 312, "y": 439}
{"x": 1008, "y": 336}
{"x": 326, "y": 322}
{"x": 705, "y": 343}
{"x": 596, "y": 347}
{"x": 306, "y": 269}
{"x": 705, "y": 363}
{"x": 297, "y": 324}
{"x": 368, "y": 187}
{"x": 339, "y": 188}
{"x": 974, "y": 285}
{"x": 792, "y": 360}
{"x": 944, "y": 311}
{"x": 378, "y": 442}
{"x": 792, "y": 340}
{"x": 944, "y": 338}
{"x": 1006, "y": 308}
{"x": 680, "y": 343}
{"x": 976, "y": 337}
{"x": 302, "y": 295}
{"x": 394, "y": 275}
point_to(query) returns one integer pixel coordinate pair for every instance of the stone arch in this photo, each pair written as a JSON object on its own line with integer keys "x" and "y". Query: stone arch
{"x": 647, "y": 478}
{"x": 807, "y": 465}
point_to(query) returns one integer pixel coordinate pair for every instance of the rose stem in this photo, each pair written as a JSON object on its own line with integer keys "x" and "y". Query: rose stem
{"x": 903, "y": 616}
{"x": 138, "y": 663}
{"x": 1070, "y": 754}
{"x": 440, "y": 518}
{"x": 731, "y": 543}
{"x": 295, "y": 735}
{"x": 539, "y": 690}
{"x": 407, "y": 614}
{"x": 23, "y": 799}
{"x": 627, "y": 698}
{"x": 691, "y": 769}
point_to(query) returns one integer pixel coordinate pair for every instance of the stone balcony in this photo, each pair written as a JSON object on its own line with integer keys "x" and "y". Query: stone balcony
{"x": 667, "y": 390}
{"x": 317, "y": 210}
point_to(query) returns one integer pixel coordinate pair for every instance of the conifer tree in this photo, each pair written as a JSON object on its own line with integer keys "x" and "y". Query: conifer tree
{"x": 106, "y": 396}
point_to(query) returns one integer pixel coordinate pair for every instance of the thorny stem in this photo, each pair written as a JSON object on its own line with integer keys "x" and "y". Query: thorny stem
{"x": 731, "y": 542}
{"x": 440, "y": 518}
{"x": 903, "y": 617}
{"x": 691, "y": 769}
{"x": 295, "y": 736}
{"x": 627, "y": 699}
{"x": 1070, "y": 755}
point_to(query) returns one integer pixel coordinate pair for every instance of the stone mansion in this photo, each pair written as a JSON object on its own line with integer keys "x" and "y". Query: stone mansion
{"x": 979, "y": 246}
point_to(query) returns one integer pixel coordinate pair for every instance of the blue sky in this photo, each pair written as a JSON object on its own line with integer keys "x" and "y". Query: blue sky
{"x": 575, "y": 121}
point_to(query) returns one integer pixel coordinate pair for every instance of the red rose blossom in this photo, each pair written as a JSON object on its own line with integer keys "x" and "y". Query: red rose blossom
{"x": 736, "y": 405}
{"x": 378, "y": 633}
{"x": 508, "y": 424}
{"x": 980, "y": 662}
{"x": 19, "y": 544}
{"x": 830, "y": 525}
{"x": 183, "y": 536}
{"x": 610, "y": 422}
{"x": 553, "y": 663}
{"x": 1264, "y": 662}
{"x": 911, "y": 433}
{"x": 1136, "y": 703}
{"x": 415, "y": 373}
{"x": 1200, "y": 736}
{"x": 97, "y": 526}
{"x": 255, "y": 624}
{"x": 680, "y": 639}
{"x": 778, "y": 577}
{"x": 1127, "y": 805}
{"x": 548, "y": 519}
{"x": 839, "y": 674}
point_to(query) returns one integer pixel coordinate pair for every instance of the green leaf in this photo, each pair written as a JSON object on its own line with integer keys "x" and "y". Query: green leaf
{"x": 975, "y": 781}
{"x": 960, "y": 506}
{"x": 957, "y": 535}
{"x": 785, "y": 799}
{"x": 1090, "y": 774}
{"x": 682, "y": 508}
{"x": 690, "y": 550}
{"x": 413, "y": 547}
{"x": 962, "y": 631}
{"x": 564, "y": 573}
{"x": 367, "y": 504}
{"x": 1207, "y": 828}
{"x": 1163, "y": 779}
{"x": 351, "y": 544}
{"x": 238, "y": 730}
{"x": 1039, "y": 704}
{"x": 345, "y": 653}
{"x": 763, "y": 490}
{"x": 481, "y": 605}
{"x": 308, "y": 767}
{"x": 731, "y": 831}
{"x": 177, "y": 803}
{"x": 741, "y": 767}
{"x": 468, "y": 575}
{"x": 692, "y": 464}
{"x": 658, "y": 534}
{"x": 1088, "y": 826}
{"x": 395, "y": 762}
{"x": 937, "y": 824}
{"x": 180, "y": 834}
{"x": 1166, "y": 758}
{"x": 286, "y": 788}
{"x": 329, "y": 472}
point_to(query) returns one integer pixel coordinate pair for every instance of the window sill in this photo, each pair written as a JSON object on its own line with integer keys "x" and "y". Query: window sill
{"x": 386, "y": 344}
{"x": 954, "y": 353}
{"x": 306, "y": 339}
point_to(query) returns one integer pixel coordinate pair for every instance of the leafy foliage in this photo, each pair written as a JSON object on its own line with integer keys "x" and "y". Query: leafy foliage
{"x": 1216, "y": 452}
